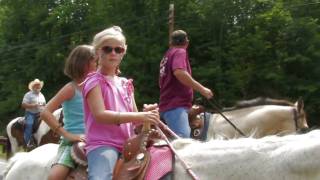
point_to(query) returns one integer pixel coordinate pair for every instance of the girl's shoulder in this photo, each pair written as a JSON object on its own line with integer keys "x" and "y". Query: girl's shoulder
{"x": 66, "y": 92}
{"x": 127, "y": 84}
{"x": 125, "y": 80}
{"x": 93, "y": 77}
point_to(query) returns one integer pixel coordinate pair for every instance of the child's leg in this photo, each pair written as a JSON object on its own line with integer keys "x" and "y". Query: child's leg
{"x": 101, "y": 162}
{"x": 64, "y": 162}
{"x": 58, "y": 172}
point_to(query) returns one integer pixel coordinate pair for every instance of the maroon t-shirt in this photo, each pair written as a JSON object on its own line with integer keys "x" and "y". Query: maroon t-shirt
{"x": 172, "y": 92}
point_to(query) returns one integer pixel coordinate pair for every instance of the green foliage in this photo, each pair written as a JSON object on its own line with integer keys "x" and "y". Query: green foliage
{"x": 240, "y": 49}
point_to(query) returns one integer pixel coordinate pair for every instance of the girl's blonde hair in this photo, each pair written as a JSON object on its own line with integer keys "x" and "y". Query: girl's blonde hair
{"x": 114, "y": 32}
{"x": 78, "y": 61}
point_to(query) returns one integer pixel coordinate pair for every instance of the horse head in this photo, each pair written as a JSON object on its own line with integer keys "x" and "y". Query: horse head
{"x": 300, "y": 115}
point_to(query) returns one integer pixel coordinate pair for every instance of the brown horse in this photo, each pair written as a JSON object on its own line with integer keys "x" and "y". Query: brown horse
{"x": 258, "y": 117}
{"x": 42, "y": 134}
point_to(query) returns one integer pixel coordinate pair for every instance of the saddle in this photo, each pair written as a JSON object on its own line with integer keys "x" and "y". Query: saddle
{"x": 132, "y": 164}
{"x": 138, "y": 153}
{"x": 135, "y": 158}
{"x": 79, "y": 156}
{"x": 140, "y": 158}
{"x": 20, "y": 124}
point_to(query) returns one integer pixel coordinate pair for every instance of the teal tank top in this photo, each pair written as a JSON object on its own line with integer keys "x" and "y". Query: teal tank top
{"x": 73, "y": 117}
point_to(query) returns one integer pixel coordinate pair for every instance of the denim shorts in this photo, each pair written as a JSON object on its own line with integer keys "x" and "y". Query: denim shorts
{"x": 177, "y": 120}
{"x": 64, "y": 154}
{"x": 101, "y": 162}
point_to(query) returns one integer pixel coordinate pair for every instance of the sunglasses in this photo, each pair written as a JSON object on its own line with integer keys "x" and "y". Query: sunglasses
{"x": 109, "y": 49}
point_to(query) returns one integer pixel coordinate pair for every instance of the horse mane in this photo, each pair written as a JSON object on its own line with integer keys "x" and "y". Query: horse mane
{"x": 259, "y": 101}
{"x": 266, "y": 142}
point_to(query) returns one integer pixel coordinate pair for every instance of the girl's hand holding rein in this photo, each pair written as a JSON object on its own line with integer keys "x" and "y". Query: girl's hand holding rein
{"x": 75, "y": 137}
{"x": 151, "y": 116}
{"x": 149, "y": 107}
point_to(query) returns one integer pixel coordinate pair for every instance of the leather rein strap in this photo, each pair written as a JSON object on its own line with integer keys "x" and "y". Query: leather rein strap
{"x": 214, "y": 105}
{"x": 184, "y": 164}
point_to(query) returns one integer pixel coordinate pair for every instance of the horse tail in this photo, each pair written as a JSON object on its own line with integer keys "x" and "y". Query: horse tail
{"x": 8, "y": 147}
{"x": 9, "y": 138}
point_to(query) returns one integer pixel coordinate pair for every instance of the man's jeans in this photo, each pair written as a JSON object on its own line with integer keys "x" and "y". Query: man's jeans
{"x": 177, "y": 120}
{"x": 29, "y": 120}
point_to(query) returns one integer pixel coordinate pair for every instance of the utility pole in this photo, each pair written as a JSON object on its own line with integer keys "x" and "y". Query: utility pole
{"x": 171, "y": 20}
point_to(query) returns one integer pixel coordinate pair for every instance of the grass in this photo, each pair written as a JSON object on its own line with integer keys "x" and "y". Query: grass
{"x": 2, "y": 154}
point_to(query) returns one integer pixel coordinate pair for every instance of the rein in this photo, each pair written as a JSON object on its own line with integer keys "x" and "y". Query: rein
{"x": 214, "y": 105}
{"x": 184, "y": 164}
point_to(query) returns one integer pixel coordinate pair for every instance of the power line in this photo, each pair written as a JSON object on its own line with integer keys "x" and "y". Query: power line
{"x": 37, "y": 44}
{"x": 42, "y": 42}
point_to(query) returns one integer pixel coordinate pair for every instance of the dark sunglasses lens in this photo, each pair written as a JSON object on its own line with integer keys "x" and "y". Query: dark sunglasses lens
{"x": 107, "y": 49}
{"x": 118, "y": 50}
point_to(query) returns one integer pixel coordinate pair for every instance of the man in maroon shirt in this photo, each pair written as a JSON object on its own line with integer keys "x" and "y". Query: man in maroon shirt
{"x": 177, "y": 85}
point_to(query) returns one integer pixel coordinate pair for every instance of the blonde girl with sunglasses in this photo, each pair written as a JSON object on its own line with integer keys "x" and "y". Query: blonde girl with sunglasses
{"x": 109, "y": 106}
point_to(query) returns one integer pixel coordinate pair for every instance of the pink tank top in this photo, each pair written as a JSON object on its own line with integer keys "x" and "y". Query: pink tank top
{"x": 117, "y": 93}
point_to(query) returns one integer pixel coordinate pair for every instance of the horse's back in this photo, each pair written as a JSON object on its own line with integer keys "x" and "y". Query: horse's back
{"x": 34, "y": 165}
{"x": 257, "y": 121}
{"x": 259, "y": 101}
{"x": 292, "y": 157}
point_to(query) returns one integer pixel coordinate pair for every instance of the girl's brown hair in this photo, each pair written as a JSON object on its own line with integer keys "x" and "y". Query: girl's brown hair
{"x": 77, "y": 63}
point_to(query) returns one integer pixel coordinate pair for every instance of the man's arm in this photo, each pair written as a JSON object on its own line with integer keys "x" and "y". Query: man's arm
{"x": 187, "y": 80}
{"x": 25, "y": 103}
{"x": 28, "y": 106}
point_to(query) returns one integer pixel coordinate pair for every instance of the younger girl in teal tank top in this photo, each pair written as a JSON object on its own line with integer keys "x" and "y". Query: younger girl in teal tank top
{"x": 79, "y": 63}
{"x": 73, "y": 113}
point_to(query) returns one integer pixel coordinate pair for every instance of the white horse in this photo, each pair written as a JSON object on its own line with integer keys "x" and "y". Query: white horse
{"x": 257, "y": 120}
{"x": 31, "y": 165}
{"x": 43, "y": 134}
{"x": 291, "y": 157}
